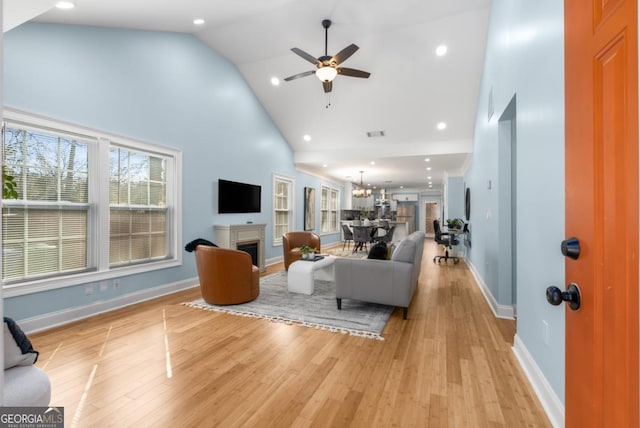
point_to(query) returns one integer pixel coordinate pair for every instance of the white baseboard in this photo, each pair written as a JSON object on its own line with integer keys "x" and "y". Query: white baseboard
{"x": 54, "y": 319}
{"x": 500, "y": 311}
{"x": 548, "y": 398}
{"x": 274, "y": 260}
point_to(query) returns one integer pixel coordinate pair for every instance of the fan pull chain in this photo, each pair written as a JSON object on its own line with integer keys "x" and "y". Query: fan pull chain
{"x": 328, "y": 100}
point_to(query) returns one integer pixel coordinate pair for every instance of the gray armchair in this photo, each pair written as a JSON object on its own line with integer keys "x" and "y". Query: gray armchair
{"x": 388, "y": 282}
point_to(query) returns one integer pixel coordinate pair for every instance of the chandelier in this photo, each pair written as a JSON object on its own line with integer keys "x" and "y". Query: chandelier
{"x": 383, "y": 197}
{"x": 361, "y": 192}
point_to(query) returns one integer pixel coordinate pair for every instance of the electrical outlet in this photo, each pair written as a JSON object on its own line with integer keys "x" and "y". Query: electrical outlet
{"x": 116, "y": 283}
{"x": 88, "y": 289}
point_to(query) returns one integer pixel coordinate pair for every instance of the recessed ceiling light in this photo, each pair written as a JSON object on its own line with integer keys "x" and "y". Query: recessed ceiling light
{"x": 441, "y": 50}
{"x": 373, "y": 162}
{"x": 325, "y": 165}
{"x": 198, "y": 21}
{"x": 275, "y": 81}
{"x": 429, "y": 178}
{"x": 428, "y": 168}
{"x": 430, "y": 183}
{"x": 65, "y": 5}
{"x": 441, "y": 125}
{"x": 306, "y": 137}
{"x": 427, "y": 160}
{"x": 402, "y": 187}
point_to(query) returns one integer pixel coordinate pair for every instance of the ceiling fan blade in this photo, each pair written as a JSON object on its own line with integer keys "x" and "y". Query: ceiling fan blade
{"x": 299, "y": 75}
{"x": 344, "y": 54}
{"x": 308, "y": 57}
{"x": 327, "y": 86}
{"x": 353, "y": 72}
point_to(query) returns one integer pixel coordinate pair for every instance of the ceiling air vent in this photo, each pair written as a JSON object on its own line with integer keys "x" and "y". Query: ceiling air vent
{"x": 373, "y": 134}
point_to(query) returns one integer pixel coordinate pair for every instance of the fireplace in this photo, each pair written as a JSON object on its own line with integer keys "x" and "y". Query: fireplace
{"x": 246, "y": 237}
{"x": 251, "y": 248}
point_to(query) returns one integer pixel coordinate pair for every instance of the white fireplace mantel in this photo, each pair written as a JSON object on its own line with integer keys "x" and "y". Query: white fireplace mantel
{"x": 230, "y": 235}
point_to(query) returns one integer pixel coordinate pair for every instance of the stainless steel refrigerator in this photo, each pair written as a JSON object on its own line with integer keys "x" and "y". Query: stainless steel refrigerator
{"x": 407, "y": 213}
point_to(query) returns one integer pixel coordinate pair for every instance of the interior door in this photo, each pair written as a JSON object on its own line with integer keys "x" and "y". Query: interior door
{"x": 601, "y": 109}
{"x": 431, "y": 214}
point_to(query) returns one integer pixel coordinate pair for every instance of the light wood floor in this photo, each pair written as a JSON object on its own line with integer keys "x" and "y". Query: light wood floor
{"x": 162, "y": 364}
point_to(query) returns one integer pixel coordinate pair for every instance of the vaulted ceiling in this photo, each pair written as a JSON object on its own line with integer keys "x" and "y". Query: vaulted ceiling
{"x": 410, "y": 90}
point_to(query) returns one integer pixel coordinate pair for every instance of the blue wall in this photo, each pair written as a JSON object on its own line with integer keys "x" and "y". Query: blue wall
{"x": 165, "y": 88}
{"x": 454, "y": 207}
{"x": 524, "y": 57}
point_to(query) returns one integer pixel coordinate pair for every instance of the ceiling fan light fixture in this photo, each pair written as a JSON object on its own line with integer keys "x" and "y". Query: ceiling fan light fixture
{"x": 326, "y": 73}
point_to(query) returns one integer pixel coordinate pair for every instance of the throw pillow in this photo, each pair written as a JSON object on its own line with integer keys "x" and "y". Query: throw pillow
{"x": 378, "y": 251}
{"x": 18, "y": 350}
{"x": 390, "y": 249}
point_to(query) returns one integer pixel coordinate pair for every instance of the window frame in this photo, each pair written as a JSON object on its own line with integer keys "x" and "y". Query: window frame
{"x": 277, "y": 240}
{"x": 335, "y": 209}
{"x": 98, "y": 222}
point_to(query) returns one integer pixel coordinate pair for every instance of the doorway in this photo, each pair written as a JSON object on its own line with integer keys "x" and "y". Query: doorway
{"x": 431, "y": 210}
{"x": 507, "y": 185}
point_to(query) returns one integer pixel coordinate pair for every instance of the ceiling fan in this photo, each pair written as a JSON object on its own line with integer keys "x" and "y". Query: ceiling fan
{"x": 326, "y": 66}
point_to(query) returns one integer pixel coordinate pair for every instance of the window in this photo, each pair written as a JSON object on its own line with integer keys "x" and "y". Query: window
{"x": 282, "y": 207}
{"x": 138, "y": 207}
{"x": 329, "y": 210}
{"x": 90, "y": 206}
{"x": 44, "y": 230}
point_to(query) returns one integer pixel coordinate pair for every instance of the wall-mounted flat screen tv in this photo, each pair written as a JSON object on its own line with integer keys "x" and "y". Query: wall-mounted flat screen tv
{"x": 234, "y": 197}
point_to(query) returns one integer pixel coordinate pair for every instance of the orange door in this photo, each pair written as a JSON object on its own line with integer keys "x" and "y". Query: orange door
{"x": 601, "y": 103}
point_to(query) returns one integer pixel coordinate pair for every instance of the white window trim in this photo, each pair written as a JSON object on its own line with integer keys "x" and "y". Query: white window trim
{"x": 100, "y": 216}
{"x": 277, "y": 241}
{"x": 330, "y": 189}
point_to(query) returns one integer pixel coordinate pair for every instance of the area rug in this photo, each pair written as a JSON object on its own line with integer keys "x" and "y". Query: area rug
{"x": 276, "y": 303}
{"x": 348, "y": 253}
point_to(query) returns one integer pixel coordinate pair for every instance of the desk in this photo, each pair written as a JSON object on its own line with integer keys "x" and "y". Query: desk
{"x": 454, "y": 234}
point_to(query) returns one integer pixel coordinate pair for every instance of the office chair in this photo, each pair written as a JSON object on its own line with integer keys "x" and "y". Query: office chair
{"x": 447, "y": 240}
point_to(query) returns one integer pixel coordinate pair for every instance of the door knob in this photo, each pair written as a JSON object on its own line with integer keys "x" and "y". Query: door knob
{"x": 555, "y": 296}
{"x": 570, "y": 248}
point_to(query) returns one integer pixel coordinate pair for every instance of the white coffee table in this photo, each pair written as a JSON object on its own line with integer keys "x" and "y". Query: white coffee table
{"x": 302, "y": 273}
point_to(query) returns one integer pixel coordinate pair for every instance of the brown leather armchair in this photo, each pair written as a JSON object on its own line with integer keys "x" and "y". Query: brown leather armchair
{"x": 291, "y": 243}
{"x": 227, "y": 277}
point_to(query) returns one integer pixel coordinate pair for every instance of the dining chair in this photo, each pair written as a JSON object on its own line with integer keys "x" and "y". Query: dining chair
{"x": 361, "y": 237}
{"x": 387, "y": 237}
{"x": 347, "y": 234}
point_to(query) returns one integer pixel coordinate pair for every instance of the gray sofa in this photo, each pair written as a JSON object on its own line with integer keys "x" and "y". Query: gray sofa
{"x": 388, "y": 282}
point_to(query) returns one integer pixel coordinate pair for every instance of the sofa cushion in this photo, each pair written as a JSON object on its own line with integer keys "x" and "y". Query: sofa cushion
{"x": 405, "y": 251}
{"x": 26, "y": 386}
{"x": 18, "y": 350}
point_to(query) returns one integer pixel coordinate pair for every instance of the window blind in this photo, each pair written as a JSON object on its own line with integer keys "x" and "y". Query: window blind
{"x": 45, "y": 230}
